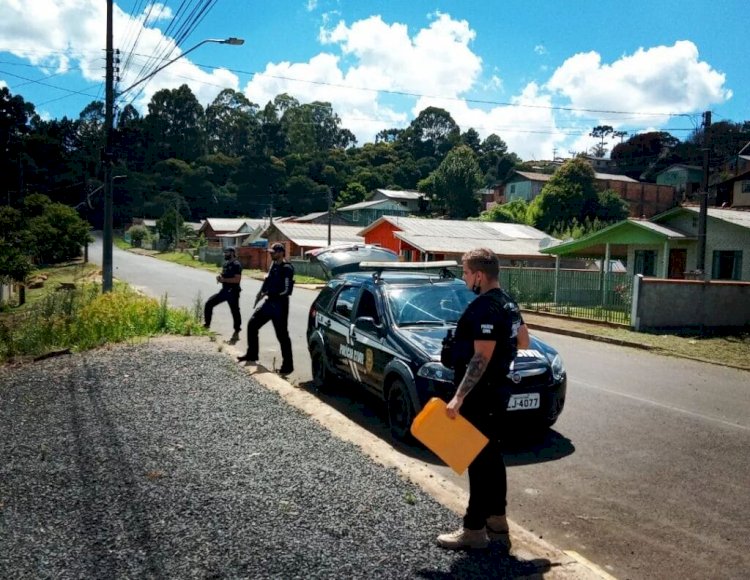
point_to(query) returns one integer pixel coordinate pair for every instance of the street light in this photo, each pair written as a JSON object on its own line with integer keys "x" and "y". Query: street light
{"x": 231, "y": 40}
{"x": 109, "y": 115}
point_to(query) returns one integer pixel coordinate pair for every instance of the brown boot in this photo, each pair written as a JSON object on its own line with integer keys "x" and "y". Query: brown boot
{"x": 497, "y": 526}
{"x": 464, "y": 539}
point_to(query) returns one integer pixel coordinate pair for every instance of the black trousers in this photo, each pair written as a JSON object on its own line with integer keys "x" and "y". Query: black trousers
{"x": 232, "y": 297}
{"x": 488, "y": 484}
{"x": 277, "y": 311}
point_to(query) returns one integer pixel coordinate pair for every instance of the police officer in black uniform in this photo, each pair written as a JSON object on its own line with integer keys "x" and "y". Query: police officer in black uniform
{"x": 487, "y": 337}
{"x": 277, "y": 287}
{"x": 231, "y": 274}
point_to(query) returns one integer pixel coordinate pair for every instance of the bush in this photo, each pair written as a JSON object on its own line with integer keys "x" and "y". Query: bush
{"x": 138, "y": 234}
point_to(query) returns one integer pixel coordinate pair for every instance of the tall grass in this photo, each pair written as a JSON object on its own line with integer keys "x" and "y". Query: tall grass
{"x": 85, "y": 318}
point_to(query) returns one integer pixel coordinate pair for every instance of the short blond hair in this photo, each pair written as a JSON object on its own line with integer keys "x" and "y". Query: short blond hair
{"x": 482, "y": 260}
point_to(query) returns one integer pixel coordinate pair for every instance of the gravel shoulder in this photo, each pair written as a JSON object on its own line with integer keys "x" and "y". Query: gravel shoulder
{"x": 167, "y": 460}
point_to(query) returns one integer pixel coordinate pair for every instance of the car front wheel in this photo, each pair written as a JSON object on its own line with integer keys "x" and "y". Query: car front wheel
{"x": 400, "y": 411}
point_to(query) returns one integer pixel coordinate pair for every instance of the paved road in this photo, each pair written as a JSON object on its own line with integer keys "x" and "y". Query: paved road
{"x": 647, "y": 472}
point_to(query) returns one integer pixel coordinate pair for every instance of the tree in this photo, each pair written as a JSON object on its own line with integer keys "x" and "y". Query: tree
{"x": 432, "y": 134}
{"x": 513, "y": 212}
{"x": 644, "y": 153}
{"x": 600, "y": 132}
{"x": 569, "y": 194}
{"x": 175, "y": 125}
{"x": 15, "y": 122}
{"x": 231, "y": 124}
{"x": 56, "y": 233}
{"x": 169, "y": 226}
{"x": 456, "y": 181}
{"x": 15, "y": 263}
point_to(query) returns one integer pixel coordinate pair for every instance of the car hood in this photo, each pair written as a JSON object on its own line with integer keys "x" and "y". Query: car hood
{"x": 346, "y": 258}
{"x": 430, "y": 341}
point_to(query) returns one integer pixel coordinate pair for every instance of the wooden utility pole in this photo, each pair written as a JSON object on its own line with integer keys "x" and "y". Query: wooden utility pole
{"x": 703, "y": 215}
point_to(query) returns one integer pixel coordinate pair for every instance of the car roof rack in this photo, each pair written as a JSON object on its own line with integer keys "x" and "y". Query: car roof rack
{"x": 379, "y": 267}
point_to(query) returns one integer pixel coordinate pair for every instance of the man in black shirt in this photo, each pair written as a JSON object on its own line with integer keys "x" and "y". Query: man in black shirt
{"x": 231, "y": 274}
{"x": 488, "y": 335}
{"x": 277, "y": 287}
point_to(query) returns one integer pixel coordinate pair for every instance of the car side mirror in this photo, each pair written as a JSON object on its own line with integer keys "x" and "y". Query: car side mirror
{"x": 368, "y": 324}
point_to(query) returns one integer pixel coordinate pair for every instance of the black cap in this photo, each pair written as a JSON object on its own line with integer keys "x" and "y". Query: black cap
{"x": 230, "y": 249}
{"x": 277, "y": 247}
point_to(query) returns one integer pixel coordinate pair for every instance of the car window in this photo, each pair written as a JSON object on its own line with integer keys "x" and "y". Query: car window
{"x": 344, "y": 303}
{"x": 367, "y": 306}
{"x": 429, "y": 303}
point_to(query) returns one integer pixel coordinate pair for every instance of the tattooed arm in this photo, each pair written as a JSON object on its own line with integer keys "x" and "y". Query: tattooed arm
{"x": 483, "y": 350}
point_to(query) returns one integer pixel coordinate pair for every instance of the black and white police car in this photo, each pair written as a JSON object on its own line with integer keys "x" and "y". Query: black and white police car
{"x": 381, "y": 324}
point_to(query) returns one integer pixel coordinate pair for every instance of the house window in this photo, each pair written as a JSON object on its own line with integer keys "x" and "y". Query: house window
{"x": 407, "y": 255}
{"x": 355, "y": 215}
{"x": 727, "y": 265}
{"x": 746, "y": 186}
{"x": 645, "y": 262}
{"x": 512, "y": 188}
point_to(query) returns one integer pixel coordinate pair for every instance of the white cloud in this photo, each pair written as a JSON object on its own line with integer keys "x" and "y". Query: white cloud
{"x": 60, "y": 35}
{"x": 311, "y": 5}
{"x": 662, "y": 79}
{"x": 540, "y": 49}
{"x": 156, "y": 12}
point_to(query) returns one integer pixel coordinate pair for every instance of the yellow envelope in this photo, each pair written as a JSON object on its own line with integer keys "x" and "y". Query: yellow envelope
{"x": 456, "y": 441}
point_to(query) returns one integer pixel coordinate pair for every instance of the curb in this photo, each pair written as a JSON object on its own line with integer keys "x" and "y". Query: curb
{"x": 563, "y": 565}
{"x": 579, "y": 334}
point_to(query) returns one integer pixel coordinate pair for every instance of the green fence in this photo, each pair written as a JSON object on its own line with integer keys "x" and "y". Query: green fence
{"x": 580, "y": 293}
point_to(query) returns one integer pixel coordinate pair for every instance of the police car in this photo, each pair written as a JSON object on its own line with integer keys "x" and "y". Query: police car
{"x": 382, "y": 327}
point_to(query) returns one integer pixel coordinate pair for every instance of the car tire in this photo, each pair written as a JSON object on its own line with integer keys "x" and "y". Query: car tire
{"x": 400, "y": 411}
{"x": 322, "y": 378}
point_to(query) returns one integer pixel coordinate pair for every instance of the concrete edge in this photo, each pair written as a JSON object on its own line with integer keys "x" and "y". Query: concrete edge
{"x": 641, "y": 346}
{"x": 525, "y": 544}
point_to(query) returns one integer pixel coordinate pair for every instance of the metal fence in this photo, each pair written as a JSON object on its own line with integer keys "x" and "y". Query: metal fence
{"x": 586, "y": 294}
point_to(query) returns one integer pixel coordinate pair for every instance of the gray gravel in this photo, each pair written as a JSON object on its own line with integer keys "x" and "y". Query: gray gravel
{"x": 167, "y": 460}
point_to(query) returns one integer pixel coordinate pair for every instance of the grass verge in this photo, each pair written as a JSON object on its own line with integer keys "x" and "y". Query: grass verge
{"x": 81, "y": 318}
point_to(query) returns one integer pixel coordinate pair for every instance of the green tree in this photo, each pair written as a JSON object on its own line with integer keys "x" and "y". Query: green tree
{"x": 569, "y": 194}
{"x": 169, "y": 226}
{"x": 56, "y": 231}
{"x": 231, "y": 124}
{"x": 175, "y": 125}
{"x": 456, "y": 182}
{"x": 513, "y": 212}
{"x": 15, "y": 263}
{"x": 600, "y": 132}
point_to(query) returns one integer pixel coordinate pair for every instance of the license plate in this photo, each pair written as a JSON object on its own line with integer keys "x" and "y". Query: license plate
{"x": 523, "y": 402}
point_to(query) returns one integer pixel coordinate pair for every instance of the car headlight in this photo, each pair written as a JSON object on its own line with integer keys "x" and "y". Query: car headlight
{"x": 558, "y": 370}
{"x": 435, "y": 371}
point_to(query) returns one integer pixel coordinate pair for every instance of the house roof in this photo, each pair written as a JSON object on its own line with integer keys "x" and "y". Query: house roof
{"x": 739, "y": 177}
{"x": 614, "y": 177}
{"x": 458, "y": 236}
{"x": 681, "y": 166}
{"x": 316, "y": 235}
{"x": 310, "y": 216}
{"x": 619, "y": 236}
{"x": 532, "y": 176}
{"x": 733, "y": 216}
{"x": 225, "y": 224}
{"x": 399, "y": 194}
{"x": 368, "y": 204}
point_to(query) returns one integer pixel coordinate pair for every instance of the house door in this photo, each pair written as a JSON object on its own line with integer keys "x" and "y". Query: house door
{"x": 677, "y": 264}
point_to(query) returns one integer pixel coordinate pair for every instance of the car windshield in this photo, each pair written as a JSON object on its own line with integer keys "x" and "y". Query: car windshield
{"x": 428, "y": 304}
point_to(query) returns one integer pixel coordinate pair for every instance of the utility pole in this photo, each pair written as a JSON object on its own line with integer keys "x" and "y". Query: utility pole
{"x": 109, "y": 113}
{"x": 330, "y": 202}
{"x": 703, "y": 215}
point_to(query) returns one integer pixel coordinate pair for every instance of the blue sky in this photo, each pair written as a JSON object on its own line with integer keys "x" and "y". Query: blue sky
{"x": 539, "y": 74}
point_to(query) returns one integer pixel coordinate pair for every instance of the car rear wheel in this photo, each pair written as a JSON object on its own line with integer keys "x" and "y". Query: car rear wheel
{"x": 323, "y": 379}
{"x": 400, "y": 411}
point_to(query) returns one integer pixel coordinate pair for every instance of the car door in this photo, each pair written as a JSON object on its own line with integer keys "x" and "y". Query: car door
{"x": 369, "y": 341}
{"x": 339, "y": 330}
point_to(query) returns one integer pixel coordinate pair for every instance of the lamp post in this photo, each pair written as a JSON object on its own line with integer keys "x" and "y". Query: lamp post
{"x": 109, "y": 110}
